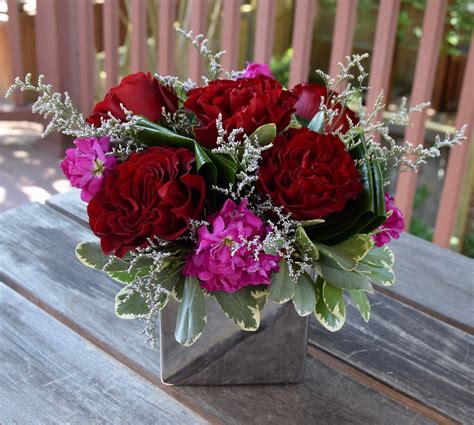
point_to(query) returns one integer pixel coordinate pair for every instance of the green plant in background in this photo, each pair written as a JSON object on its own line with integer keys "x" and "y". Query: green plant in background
{"x": 417, "y": 226}
{"x": 469, "y": 245}
{"x": 280, "y": 66}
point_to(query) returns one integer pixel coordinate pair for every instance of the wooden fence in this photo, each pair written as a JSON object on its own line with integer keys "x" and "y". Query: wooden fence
{"x": 64, "y": 32}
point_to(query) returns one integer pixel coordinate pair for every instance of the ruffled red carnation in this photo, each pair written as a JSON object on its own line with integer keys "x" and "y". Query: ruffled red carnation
{"x": 153, "y": 193}
{"x": 140, "y": 93}
{"x": 309, "y": 102}
{"x": 310, "y": 174}
{"x": 246, "y": 103}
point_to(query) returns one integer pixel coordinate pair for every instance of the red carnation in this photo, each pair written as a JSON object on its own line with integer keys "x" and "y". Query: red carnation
{"x": 140, "y": 93}
{"x": 153, "y": 193}
{"x": 309, "y": 102}
{"x": 246, "y": 103}
{"x": 311, "y": 175}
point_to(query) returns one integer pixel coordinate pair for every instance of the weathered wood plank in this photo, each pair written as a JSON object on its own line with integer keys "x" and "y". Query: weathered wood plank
{"x": 85, "y": 303}
{"x": 427, "y": 359}
{"x": 52, "y": 375}
{"x": 435, "y": 278}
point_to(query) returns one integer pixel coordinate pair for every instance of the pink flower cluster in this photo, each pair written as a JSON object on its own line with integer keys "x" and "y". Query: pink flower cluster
{"x": 393, "y": 227}
{"x": 219, "y": 264}
{"x": 87, "y": 164}
{"x": 254, "y": 70}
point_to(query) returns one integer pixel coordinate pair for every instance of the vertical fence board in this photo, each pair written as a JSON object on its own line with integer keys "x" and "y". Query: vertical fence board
{"x": 138, "y": 43}
{"x": 14, "y": 41}
{"x": 46, "y": 34}
{"x": 343, "y": 33}
{"x": 426, "y": 64}
{"x": 382, "y": 54}
{"x": 302, "y": 41}
{"x": 166, "y": 37}
{"x": 110, "y": 25}
{"x": 458, "y": 160}
{"x": 198, "y": 24}
{"x": 86, "y": 55}
{"x": 264, "y": 31}
{"x": 231, "y": 34}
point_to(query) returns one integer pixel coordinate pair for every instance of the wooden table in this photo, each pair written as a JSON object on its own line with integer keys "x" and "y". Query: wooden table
{"x": 66, "y": 358}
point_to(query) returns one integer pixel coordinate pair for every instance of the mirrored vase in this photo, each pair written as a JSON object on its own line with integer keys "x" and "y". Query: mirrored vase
{"x": 226, "y": 355}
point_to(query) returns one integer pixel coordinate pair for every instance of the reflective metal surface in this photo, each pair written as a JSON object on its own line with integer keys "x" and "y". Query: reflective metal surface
{"x": 226, "y": 355}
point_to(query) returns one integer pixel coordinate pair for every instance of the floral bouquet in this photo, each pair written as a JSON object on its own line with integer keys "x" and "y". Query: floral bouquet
{"x": 238, "y": 189}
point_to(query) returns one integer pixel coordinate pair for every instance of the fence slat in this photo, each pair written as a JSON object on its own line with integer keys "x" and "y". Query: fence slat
{"x": 458, "y": 160}
{"x": 302, "y": 41}
{"x": 46, "y": 34}
{"x": 166, "y": 37}
{"x": 198, "y": 25}
{"x": 382, "y": 53}
{"x": 111, "y": 41}
{"x": 14, "y": 41}
{"x": 86, "y": 55}
{"x": 343, "y": 33}
{"x": 265, "y": 30}
{"x": 138, "y": 39}
{"x": 423, "y": 81}
{"x": 230, "y": 34}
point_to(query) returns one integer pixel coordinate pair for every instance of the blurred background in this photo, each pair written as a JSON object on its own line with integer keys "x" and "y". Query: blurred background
{"x": 29, "y": 167}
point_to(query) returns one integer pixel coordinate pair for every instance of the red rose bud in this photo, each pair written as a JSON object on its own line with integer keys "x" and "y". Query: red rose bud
{"x": 246, "y": 103}
{"x": 311, "y": 175}
{"x": 139, "y": 93}
{"x": 153, "y": 193}
{"x": 309, "y": 102}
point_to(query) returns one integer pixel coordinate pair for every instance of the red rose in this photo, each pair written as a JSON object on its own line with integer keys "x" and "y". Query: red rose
{"x": 140, "y": 93}
{"x": 246, "y": 103}
{"x": 309, "y": 101}
{"x": 311, "y": 175}
{"x": 153, "y": 193}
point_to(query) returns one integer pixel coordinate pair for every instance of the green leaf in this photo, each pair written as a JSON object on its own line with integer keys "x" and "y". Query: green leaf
{"x": 152, "y": 134}
{"x": 310, "y": 223}
{"x": 169, "y": 277}
{"x": 362, "y": 302}
{"x": 305, "y": 295}
{"x": 383, "y": 276}
{"x": 348, "y": 253}
{"x": 204, "y": 166}
{"x": 90, "y": 254}
{"x": 334, "y": 300}
{"x": 380, "y": 257}
{"x": 282, "y": 287}
{"x": 226, "y": 169}
{"x": 241, "y": 307}
{"x": 343, "y": 279}
{"x": 192, "y": 313}
{"x": 129, "y": 304}
{"x": 177, "y": 291}
{"x": 119, "y": 270}
{"x": 329, "y": 320}
{"x": 305, "y": 243}
{"x": 266, "y": 134}
{"x": 317, "y": 122}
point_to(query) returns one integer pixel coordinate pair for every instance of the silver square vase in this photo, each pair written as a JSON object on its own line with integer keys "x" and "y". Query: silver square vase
{"x": 226, "y": 355}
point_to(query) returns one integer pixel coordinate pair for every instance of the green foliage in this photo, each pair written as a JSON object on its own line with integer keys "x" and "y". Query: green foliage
{"x": 305, "y": 295}
{"x": 317, "y": 122}
{"x": 241, "y": 307}
{"x": 282, "y": 288}
{"x": 361, "y": 301}
{"x": 469, "y": 245}
{"x": 280, "y": 66}
{"x": 332, "y": 317}
{"x": 266, "y": 134}
{"x": 192, "y": 313}
{"x": 129, "y": 304}
{"x": 305, "y": 244}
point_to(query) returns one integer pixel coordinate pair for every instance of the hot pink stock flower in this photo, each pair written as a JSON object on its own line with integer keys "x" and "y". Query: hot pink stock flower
{"x": 87, "y": 164}
{"x": 254, "y": 70}
{"x": 392, "y": 227}
{"x": 214, "y": 262}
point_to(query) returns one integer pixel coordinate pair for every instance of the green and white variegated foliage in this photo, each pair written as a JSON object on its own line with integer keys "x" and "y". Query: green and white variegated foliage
{"x": 329, "y": 275}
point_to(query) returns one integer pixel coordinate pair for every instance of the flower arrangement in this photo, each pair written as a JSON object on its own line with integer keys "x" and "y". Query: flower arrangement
{"x": 239, "y": 189}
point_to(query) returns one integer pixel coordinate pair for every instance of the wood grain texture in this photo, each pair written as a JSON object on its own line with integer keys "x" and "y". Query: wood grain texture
{"x": 424, "y": 358}
{"x": 50, "y": 375}
{"x": 84, "y": 301}
{"x": 436, "y": 278}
